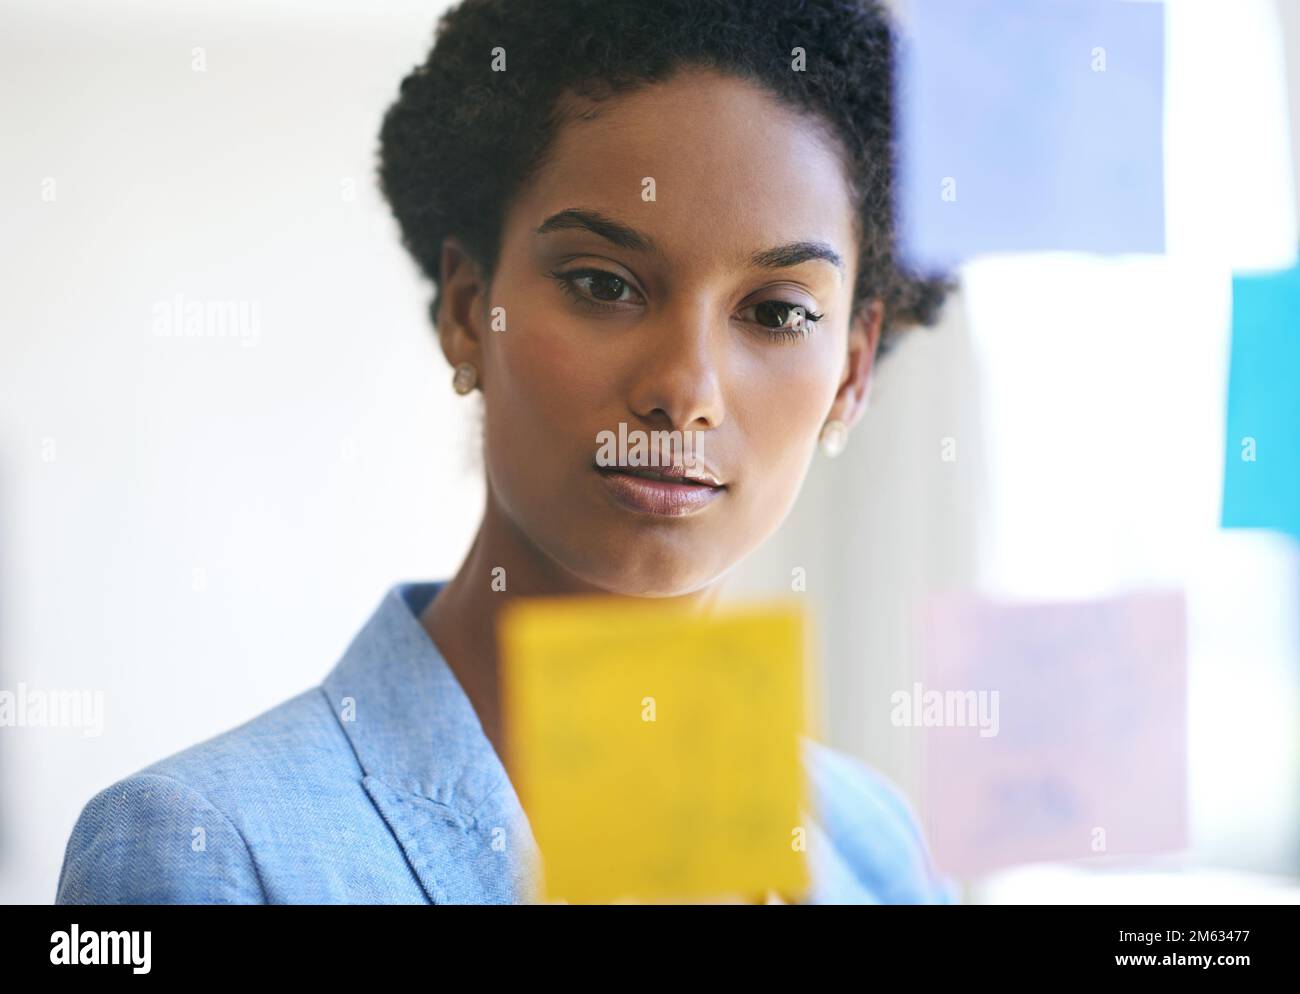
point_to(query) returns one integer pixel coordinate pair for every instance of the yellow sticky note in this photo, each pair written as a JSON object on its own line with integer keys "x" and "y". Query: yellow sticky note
{"x": 656, "y": 750}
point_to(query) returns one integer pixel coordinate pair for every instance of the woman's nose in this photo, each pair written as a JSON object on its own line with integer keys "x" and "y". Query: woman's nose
{"x": 680, "y": 373}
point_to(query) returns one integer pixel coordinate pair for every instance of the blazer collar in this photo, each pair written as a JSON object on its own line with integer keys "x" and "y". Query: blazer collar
{"x": 429, "y": 768}
{"x": 438, "y": 782}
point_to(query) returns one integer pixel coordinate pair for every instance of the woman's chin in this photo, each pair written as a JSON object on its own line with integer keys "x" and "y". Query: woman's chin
{"x": 648, "y": 575}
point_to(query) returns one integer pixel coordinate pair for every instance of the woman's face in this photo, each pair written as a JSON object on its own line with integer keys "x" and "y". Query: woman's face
{"x": 726, "y": 217}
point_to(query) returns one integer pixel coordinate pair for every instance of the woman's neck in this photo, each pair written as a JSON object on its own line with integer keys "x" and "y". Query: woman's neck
{"x": 462, "y": 619}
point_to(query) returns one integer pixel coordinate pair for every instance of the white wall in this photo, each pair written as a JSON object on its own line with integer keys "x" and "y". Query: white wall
{"x": 301, "y": 475}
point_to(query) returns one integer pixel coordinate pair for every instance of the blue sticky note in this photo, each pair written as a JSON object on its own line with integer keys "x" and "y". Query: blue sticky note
{"x": 1030, "y": 125}
{"x": 1261, "y": 473}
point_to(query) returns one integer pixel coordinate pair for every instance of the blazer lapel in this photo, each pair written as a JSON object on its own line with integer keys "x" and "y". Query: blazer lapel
{"x": 457, "y": 861}
{"x": 429, "y": 769}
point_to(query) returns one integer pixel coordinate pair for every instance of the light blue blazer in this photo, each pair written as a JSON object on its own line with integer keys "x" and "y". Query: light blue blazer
{"x": 379, "y": 786}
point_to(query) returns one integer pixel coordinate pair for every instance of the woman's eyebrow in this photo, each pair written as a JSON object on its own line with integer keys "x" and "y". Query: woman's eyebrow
{"x": 795, "y": 253}
{"x": 599, "y": 224}
{"x": 624, "y": 236}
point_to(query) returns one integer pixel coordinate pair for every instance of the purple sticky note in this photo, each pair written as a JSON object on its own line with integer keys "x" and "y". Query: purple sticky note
{"x": 1051, "y": 731}
{"x": 1030, "y": 125}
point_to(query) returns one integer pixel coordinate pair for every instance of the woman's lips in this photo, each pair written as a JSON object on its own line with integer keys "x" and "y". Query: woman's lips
{"x": 666, "y": 498}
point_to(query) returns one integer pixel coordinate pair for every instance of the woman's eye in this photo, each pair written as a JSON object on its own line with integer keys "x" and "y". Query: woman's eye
{"x": 595, "y": 287}
{"x": 783, "y": 319}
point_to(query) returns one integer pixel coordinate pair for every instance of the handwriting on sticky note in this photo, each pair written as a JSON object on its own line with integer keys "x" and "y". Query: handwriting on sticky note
{"x": 1088, "y": 755}
{"x": 656, "y": 749}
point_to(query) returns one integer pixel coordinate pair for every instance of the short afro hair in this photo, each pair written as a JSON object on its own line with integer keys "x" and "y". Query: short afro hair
{"x": 461, "y": 139}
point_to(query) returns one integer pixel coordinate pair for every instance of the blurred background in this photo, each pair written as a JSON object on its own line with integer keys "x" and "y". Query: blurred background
{"x": 196, "y": 526}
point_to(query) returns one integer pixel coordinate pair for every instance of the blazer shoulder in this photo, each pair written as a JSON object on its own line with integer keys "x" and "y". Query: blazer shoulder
{"x": 185, "y": 828}
{"x": 298, "y": 741}
{"x": 873, "y": 824}
{"x": 151, "y": 839}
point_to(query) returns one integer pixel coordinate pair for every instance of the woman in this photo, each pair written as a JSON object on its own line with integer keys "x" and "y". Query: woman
{"x": 667, "y": 215}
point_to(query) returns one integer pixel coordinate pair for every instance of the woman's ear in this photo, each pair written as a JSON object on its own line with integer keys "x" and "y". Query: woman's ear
{"x": 859, "y": 363}
{"x": 462, "y": 307}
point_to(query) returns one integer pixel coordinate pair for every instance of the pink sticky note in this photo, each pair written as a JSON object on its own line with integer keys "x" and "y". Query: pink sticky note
{"x": 1051, "y": 731}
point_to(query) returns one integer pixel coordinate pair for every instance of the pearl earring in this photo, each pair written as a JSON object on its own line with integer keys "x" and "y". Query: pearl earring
{"x": 465, "y": 378}
{"x": 834, "y": 436}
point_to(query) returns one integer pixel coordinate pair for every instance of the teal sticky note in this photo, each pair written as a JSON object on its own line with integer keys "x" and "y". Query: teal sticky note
{"x": 1261, "y": 477}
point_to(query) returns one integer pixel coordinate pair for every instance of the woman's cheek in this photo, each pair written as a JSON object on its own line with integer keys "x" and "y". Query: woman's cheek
{"x": 550, "y": 370}
{"x": 788, "y": 419}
